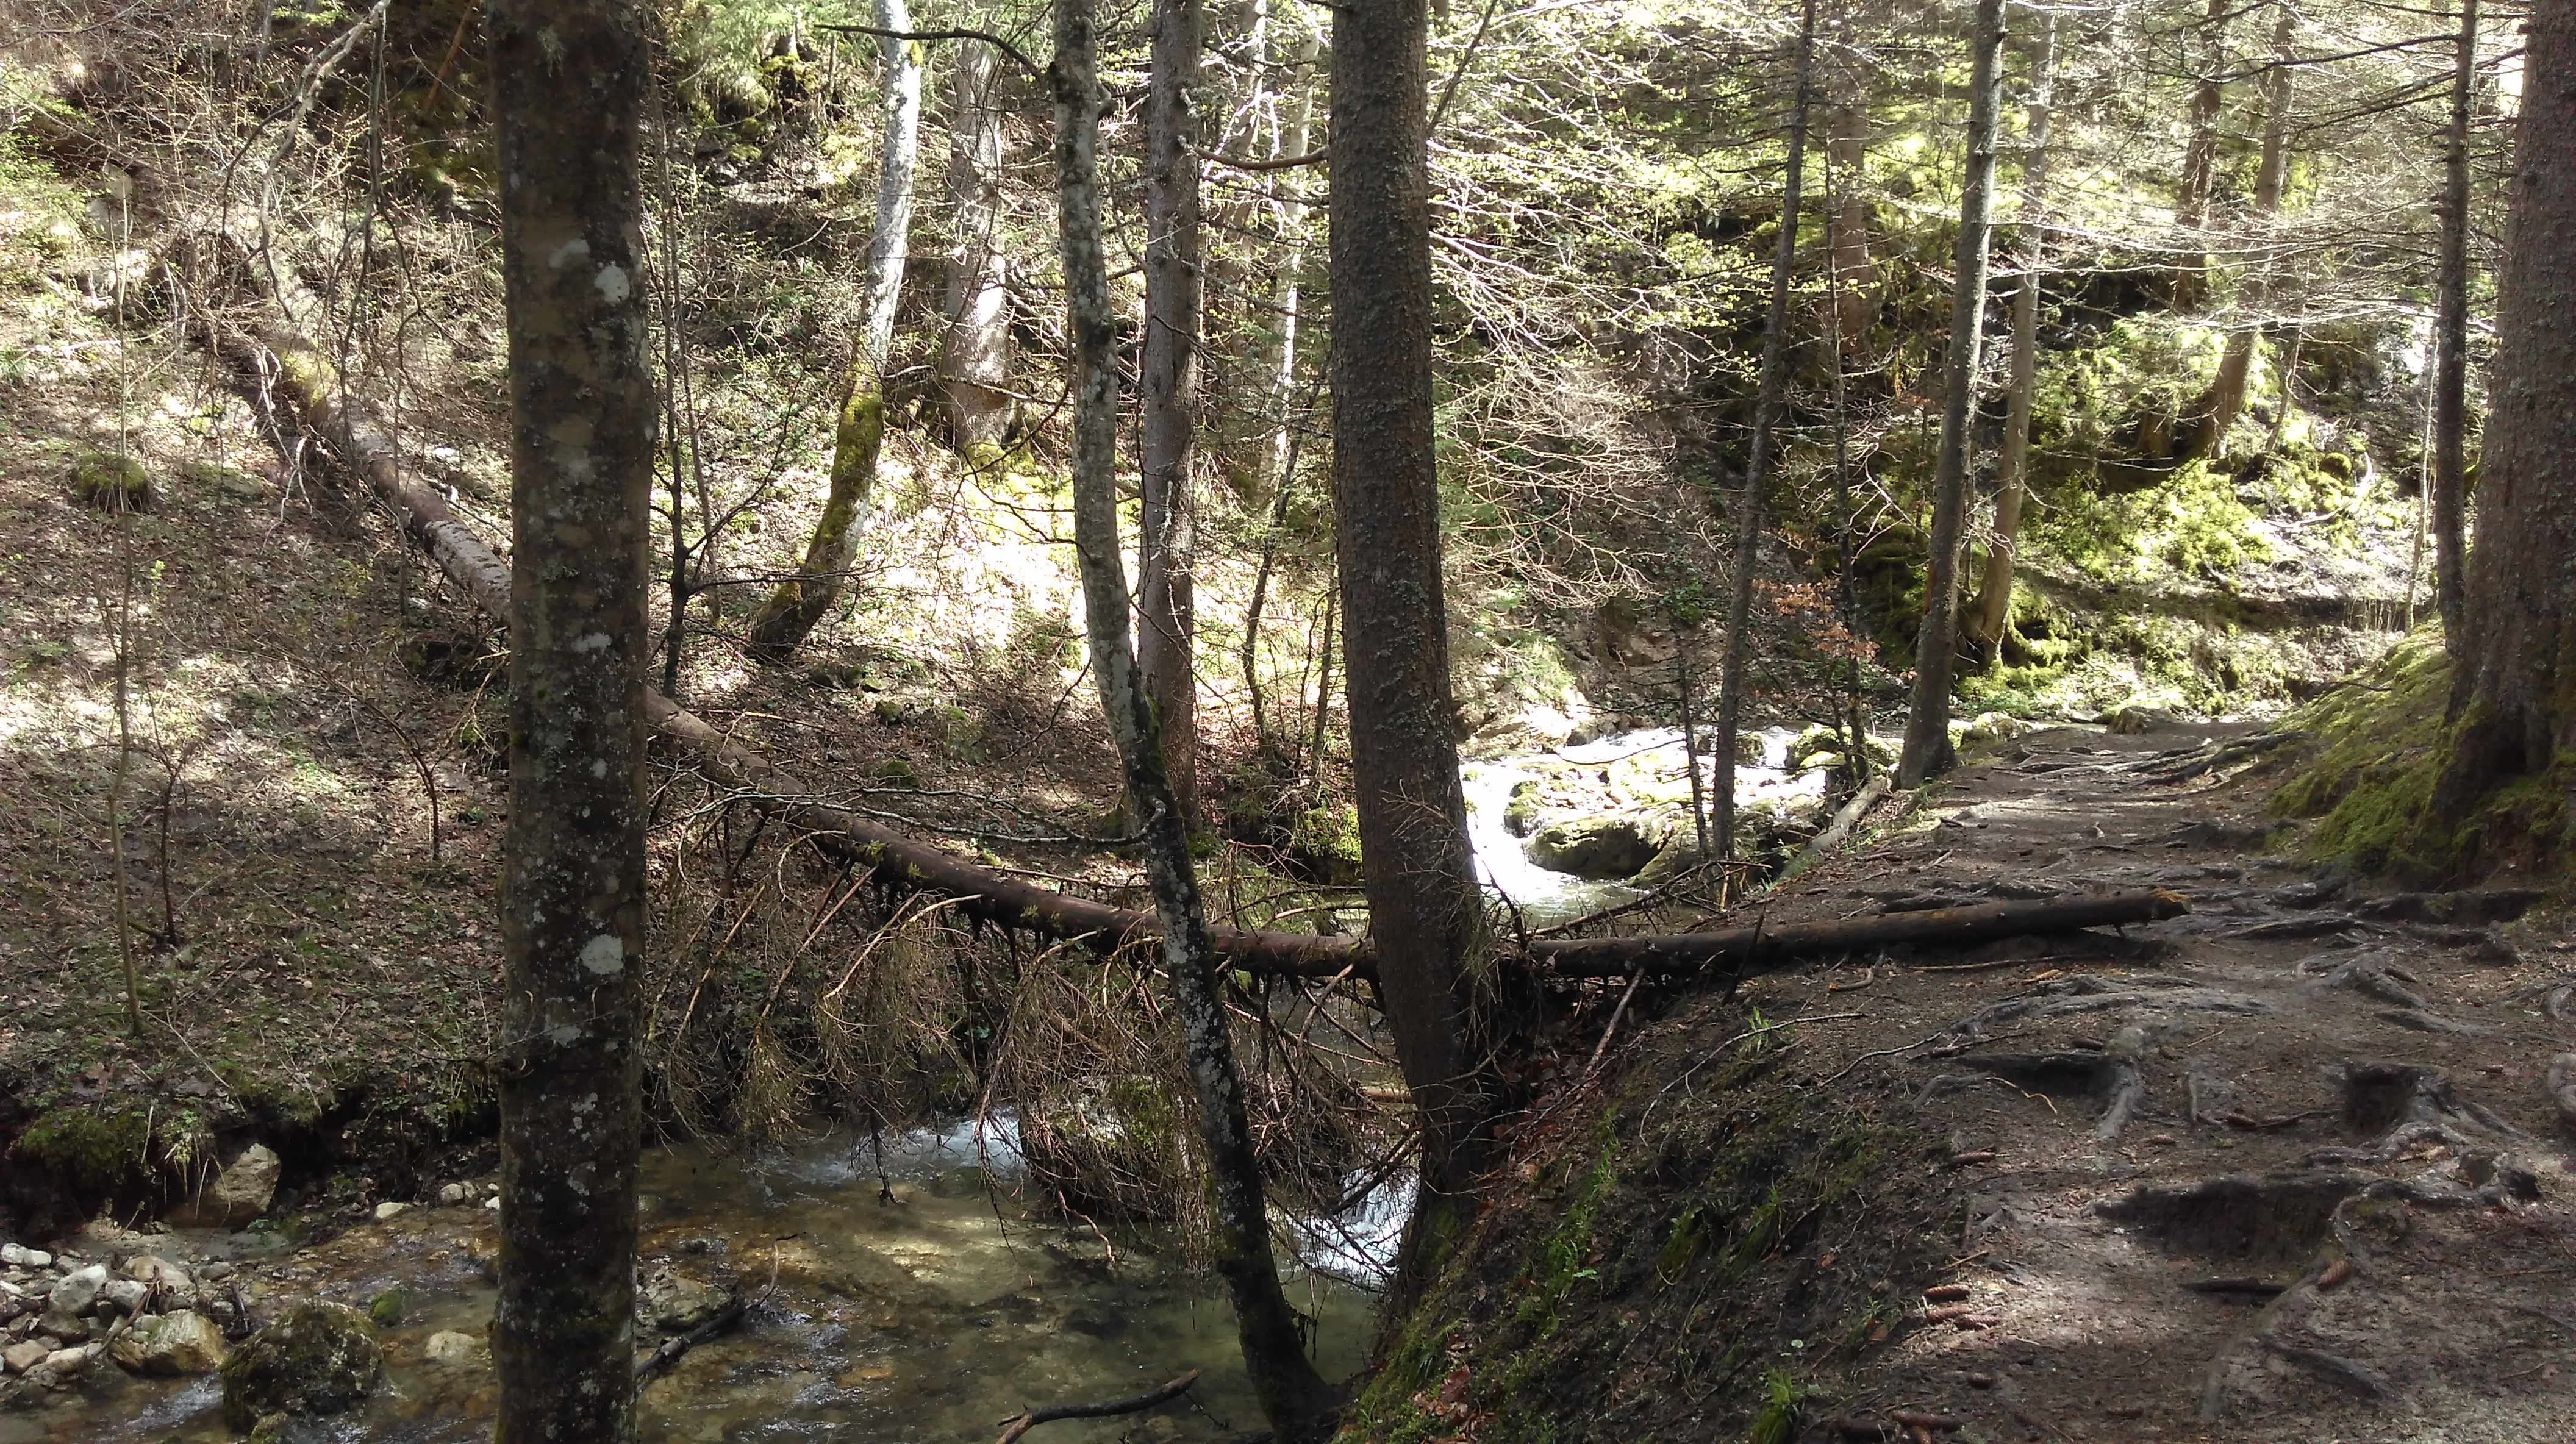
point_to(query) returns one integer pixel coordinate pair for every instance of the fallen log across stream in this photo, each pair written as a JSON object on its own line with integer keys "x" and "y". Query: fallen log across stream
{"x": 281, "y": 357}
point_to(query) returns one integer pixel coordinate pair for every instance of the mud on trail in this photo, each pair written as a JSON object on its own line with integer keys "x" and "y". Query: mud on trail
{"x": 2285, "y": 1168}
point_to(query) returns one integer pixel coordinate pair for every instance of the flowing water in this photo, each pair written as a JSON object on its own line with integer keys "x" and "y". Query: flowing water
{"x": 931, "y": 1318}
{"x": 1544, "y": 896}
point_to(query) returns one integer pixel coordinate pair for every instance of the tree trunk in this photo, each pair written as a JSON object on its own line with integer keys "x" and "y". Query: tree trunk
{"x": 568, "y": 91}
{"x": 1426, "y": 916}
{"x": 2514, "y": 694}
{"x": 2227, "y": 392}
{"x": 801, "y": 601}
{"x": 975, "y": 360}
{"x": 1296, "y": 113}
{"x": 1927, "y": 726}
{"x": 1993, "y": 611}
{"x": 1297, "y": 1402}
{"x": 2451, "y": 349}
{"x": 1855, "y": 275}
{"x": 2200, "y": 160}
{"x": 1168, "y": 377}
{"x": 1769, "y": 390}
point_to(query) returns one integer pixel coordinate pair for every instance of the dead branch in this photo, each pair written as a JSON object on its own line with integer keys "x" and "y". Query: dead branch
{"x": 1132, "y": 1404}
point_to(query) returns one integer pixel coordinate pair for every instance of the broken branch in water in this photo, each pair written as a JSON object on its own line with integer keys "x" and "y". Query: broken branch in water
{"x": 1132, "y": 1404}
{"x": 657, "y": 1363}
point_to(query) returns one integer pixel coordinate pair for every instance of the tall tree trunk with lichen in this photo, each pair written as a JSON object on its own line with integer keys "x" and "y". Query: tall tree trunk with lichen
{"x": 2514, "y": 694}
{"x": 1770, "y": 392}
{"x": 1993, "y": 610}
{"x": 1295, "y": 1399}
{"x": 567, "y": 99}
{"x": 1168, "y": 384}
{"x": 782, "y": 622}
{"x": 1426, "y": 916}
{"x": 1927, "y": 727}
{"x": 2236, "y": 366}
{"x": 2451, "y": 350}
{"x": 975, "y": 359}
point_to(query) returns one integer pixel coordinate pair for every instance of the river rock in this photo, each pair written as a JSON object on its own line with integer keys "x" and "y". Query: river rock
{"x": 23, "y": 1257}
{"x": 1993, "y": 727}
{"x": 158, "y": 1272}
{"x": 77, "y": 1291}
{"x": 449, "y": 1347}
{"x": 20, "y": 1357}
{"x": 1603, "y": 846}
{"x": 390, "y": 1209}
{"x": 239, "y": 1194}
{"x": 65, "y": 1328}
{"x": 170, "y": 1345}
{"x": 319, "y": 1359}
{"x": 455, "y": 1194}
{"x": 122, "y": 1296}
{"x": 676, "y": 1303}
{"x": 1679, "y": 856}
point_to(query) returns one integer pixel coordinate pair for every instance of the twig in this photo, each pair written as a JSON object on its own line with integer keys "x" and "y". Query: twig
{"x": 657, "y": 1363}
{"x": 987, "y": 36}
{"x": 1132, "y": 1404}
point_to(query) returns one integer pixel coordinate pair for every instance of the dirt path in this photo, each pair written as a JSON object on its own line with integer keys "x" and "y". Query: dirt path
{"x": 2283, "y": 1169}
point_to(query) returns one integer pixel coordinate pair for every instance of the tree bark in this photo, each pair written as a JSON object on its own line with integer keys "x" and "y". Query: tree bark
{"x": 2200, "y": 160}
{"x": 568, "y": 91}
{"x": 1769, "y": 391}
{"x": 1426, "y": 915}
{"x": 2451, "y": 351}
{"x": 1993, "y": 611}
{"x": 1296, "y": 114}
{"x": 781, "y": 624}
{"x": 2514, "y": 694}
{"x": 2227, "y": 392}
{"x": 976, "y": 357}
{"x": 1168, "y": 401}
{"x": 1927, "y": 727}
{"x": 1294, "y": 1398}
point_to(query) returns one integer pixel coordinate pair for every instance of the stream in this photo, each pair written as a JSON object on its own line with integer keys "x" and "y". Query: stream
{"x": 933, "y": 1318}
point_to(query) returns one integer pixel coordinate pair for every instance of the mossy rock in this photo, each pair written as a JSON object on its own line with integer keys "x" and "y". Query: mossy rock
{"x": 110, "y": 481}
{"x": 319, "y": 1359}
{"x": 1603, "y": 846}
{"x": 1326, "y": 842}
{"x": 228, "y": 481}
{"x": 91, "y": 1149}
{"x": 1520, "y": 815}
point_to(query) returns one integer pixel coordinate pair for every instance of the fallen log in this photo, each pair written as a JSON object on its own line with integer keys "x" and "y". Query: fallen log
{"x": 1838, "y": 830}
{"x": 1745, "y": 948}
{"x": 281, "y": 355}
{"x": 1132, "y": 1404}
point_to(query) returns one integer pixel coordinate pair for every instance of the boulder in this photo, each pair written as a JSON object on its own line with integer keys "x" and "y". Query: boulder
{"x": 158, "y": 1272}
{"x": 1520, "y": 814}
{"x": 239, "y": 1194}
{"x": 65, "y": 1328}
{"x": 1993, "y": 727}
{"x": 2131, "y": 720}
{"x": 676, "y": 1303}
{"x": 77, "y": 1292}
{"x": 110, "y": 481}
{"x": 170, "y": 1345}
{"x": 20, "y": 1357}
{"x": 1679, "y": 856}
{"x": 1604, "y": 846}
{"x": 319, "y": 1359}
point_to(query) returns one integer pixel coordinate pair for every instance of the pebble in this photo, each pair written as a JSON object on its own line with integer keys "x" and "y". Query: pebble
{"x": 216, "y": 1272}
{"x": 494, "y": 1202}
{"x": 20, "y": 1256}
{"x": 123, "y": 1296}
{"x": 390, "y": 1209}
{"x": 454, "y": 1194}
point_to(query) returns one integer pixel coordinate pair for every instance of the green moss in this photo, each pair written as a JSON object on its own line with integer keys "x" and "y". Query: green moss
{"x": 93, "y": 1149}
{"x": 1327, "y": 840}
{"x": 2379, "y": 748}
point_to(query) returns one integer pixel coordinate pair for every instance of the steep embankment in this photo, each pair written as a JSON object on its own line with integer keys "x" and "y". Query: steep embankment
{"x": 2282, "y": 1169}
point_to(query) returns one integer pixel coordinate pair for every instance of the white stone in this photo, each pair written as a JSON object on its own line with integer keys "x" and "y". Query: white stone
{"x": 494, "y": 1202}
{"x": 449, "y": 1347}
{"x": 66, "y": 1361}
{"x": 78, "y": 1290}
{"x": 122, "y": 1296}
{"x": 390, "y": 1209}
{"x": 171, "y": 1345}
{"x": 20, "y": 1256}
{"x": 19, "y": 1358}
{"x": 454, "y": 1194}
{"x": 151, "y": 1268}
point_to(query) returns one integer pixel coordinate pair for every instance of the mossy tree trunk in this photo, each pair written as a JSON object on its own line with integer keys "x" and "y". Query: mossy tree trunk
{"x": 1927, "y": 727}
{"x": 568, "y": 89}
{"x": 801, "y": 601}
{"x": 1426, "y": 915}
{"x": 1168, "y": 386}
{"x": 1296, "y": 1400}
{"x": 976, "y": 358}
{"x": 1770, "y": 390}
{"x": 2451, "y": 350}
{"x": 2514, "y": 695}
{"x": 1854, "y": 281}
{"x": 1992, "y": 613}
{"x": 2236, "y": 366}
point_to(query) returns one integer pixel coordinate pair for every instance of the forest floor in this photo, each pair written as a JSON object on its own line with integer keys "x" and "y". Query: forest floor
{"x": 2281, "y": 1169}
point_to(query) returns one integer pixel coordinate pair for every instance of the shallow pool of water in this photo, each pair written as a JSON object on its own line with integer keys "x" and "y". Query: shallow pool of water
{"x": 934, "y": 1317}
